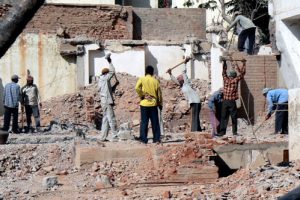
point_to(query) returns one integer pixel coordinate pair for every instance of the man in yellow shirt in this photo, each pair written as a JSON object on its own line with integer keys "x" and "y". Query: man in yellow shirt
{"x": 148, "y": 89}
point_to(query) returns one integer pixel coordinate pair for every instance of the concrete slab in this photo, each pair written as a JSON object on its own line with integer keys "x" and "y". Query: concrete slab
{"x": 251, "y": 155}
{"x": 87, "y": 155}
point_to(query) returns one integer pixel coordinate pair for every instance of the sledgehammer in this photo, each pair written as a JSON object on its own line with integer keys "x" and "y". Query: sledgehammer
{"x": 184, "y": 61}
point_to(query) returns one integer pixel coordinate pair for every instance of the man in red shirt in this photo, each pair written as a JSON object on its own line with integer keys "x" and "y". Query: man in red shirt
{"x": 230, "y": 94}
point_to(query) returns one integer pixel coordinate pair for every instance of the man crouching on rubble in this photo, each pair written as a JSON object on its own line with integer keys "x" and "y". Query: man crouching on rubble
{"x": 148, "y": 89}
{"x": 31, "y": 100}
{"x": 107, "y": 101}
{"x": 190, "y": 95}
{"x": 230, "y": 95}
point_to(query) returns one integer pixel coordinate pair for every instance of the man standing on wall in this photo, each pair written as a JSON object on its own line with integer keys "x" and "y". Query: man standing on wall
{"x": 247, "y": 28}
{"x": 107, "y": 101}
{"x": 11, "y": 98}
{"x": 191, "y": 96}
{"x": 31, "y": 100}
{"x": 278, "y": 100}
{"x": 230, "y": 94}
{"x": 148, "y": 89}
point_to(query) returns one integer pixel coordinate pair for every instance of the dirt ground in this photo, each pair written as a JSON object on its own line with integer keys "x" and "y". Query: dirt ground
{"x": 28, "y": 159}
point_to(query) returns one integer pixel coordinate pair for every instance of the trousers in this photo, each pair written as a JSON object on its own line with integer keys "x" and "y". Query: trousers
{"x": 108, "y": 121}
{"x": 196, "y": 107}
{"x": 7, "y": 117}
{"x": 250, "y": 34}
{"x": 228, "y": 108}
{"x": 281, "y": 118}
{"x": 152, "y": 114}
{"x": 32, "y": 110}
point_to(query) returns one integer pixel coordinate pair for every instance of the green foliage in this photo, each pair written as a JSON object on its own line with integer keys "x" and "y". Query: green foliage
{"x": 211, "y": 4}
{"x": 249, "y": 8}
{"x": 188, "y": 3}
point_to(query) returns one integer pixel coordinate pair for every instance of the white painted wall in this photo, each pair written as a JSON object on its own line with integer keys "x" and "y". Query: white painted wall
{"x": 287, "y": 17}
{"x": 53, "y": 74}
{"x": 133, "y": 61}
{"x": 165, "y": 57}
{"x": 294, "y": 124}
{"x": 284, "y": 9}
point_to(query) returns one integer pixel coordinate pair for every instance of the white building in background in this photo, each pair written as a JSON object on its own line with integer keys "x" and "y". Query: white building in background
{"x": 287, "y": 31}
{"x": 134, "y": 3}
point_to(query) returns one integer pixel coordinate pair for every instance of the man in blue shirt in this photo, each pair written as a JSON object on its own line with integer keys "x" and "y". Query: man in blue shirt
{"x": 215, "y": 107}
{"x": 11, "y": 99}
{"x": 278, "y": 101}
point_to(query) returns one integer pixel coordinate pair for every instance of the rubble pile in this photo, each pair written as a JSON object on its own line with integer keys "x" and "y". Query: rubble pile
{"x": 34, "y": 159}
{"x": 267, "y": 182}
{"x": 72, "y": 107}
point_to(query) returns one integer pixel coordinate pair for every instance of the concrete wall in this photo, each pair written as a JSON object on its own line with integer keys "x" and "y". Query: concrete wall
{"x": 286, "y": 16}
{"x": 294, "y": 124}
{"x": 168, "y": 24}
{"x": 130, "y": 61}
{"x": 53, "y": 74}
{"x": 133, "y": 61}
{"x": 252, "y": 155}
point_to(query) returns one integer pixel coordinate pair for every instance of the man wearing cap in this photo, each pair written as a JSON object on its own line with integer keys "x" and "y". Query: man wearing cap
{"x": 230, "y": 94}
{"x": 248, "y": 31}
{"x": 190, "y": 95}
{"x": 107, "y": 101}
{"x": 148, "y": 89}
{"x": 31, "y": 101}
{"x": 11, "y": 98}
{"x": 278, "y": 100}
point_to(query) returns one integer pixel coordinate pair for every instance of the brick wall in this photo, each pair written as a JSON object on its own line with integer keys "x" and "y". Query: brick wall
{"x": 261, "y": 72}
{"x": 99, "y": 22}
{"x": 168, "y": 24}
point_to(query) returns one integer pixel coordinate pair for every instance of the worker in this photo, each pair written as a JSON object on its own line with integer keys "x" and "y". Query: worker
{"x": 107, "y": 102}
{"x": 215, "y": 107}
{"x": 31, "y": 101}
{"x": 11, "y": 99}
{"x": 230, "y": 95}
{"x": 148, "y": 89}
{"x": 190, "y": 95}
{"x": 278, "y": 101}
{"x": 247, "y": 28}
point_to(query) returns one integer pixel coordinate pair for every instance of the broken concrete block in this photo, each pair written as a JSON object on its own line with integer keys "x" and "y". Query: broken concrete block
{"x": 167, "y": 194}
{"x": 103, "y": 182}
{"x": 49, "y": 182}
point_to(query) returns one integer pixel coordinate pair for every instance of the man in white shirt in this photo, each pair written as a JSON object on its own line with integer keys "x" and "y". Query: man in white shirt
{"x": 31, "y": 101}
{"x": 191, "y": 96}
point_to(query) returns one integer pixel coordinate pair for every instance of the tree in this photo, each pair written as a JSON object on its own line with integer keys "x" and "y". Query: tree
{"x": 256, "y": 10}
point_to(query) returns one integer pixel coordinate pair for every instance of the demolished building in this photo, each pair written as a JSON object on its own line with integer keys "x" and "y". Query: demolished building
{"x": 63, "y": 47}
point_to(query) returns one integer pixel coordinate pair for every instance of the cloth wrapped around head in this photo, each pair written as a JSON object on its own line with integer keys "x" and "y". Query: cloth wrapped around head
{"x": 105, "y": 71}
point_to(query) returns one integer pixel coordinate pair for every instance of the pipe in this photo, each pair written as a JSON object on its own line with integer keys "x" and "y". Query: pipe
{"x": 15, "y": 21}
